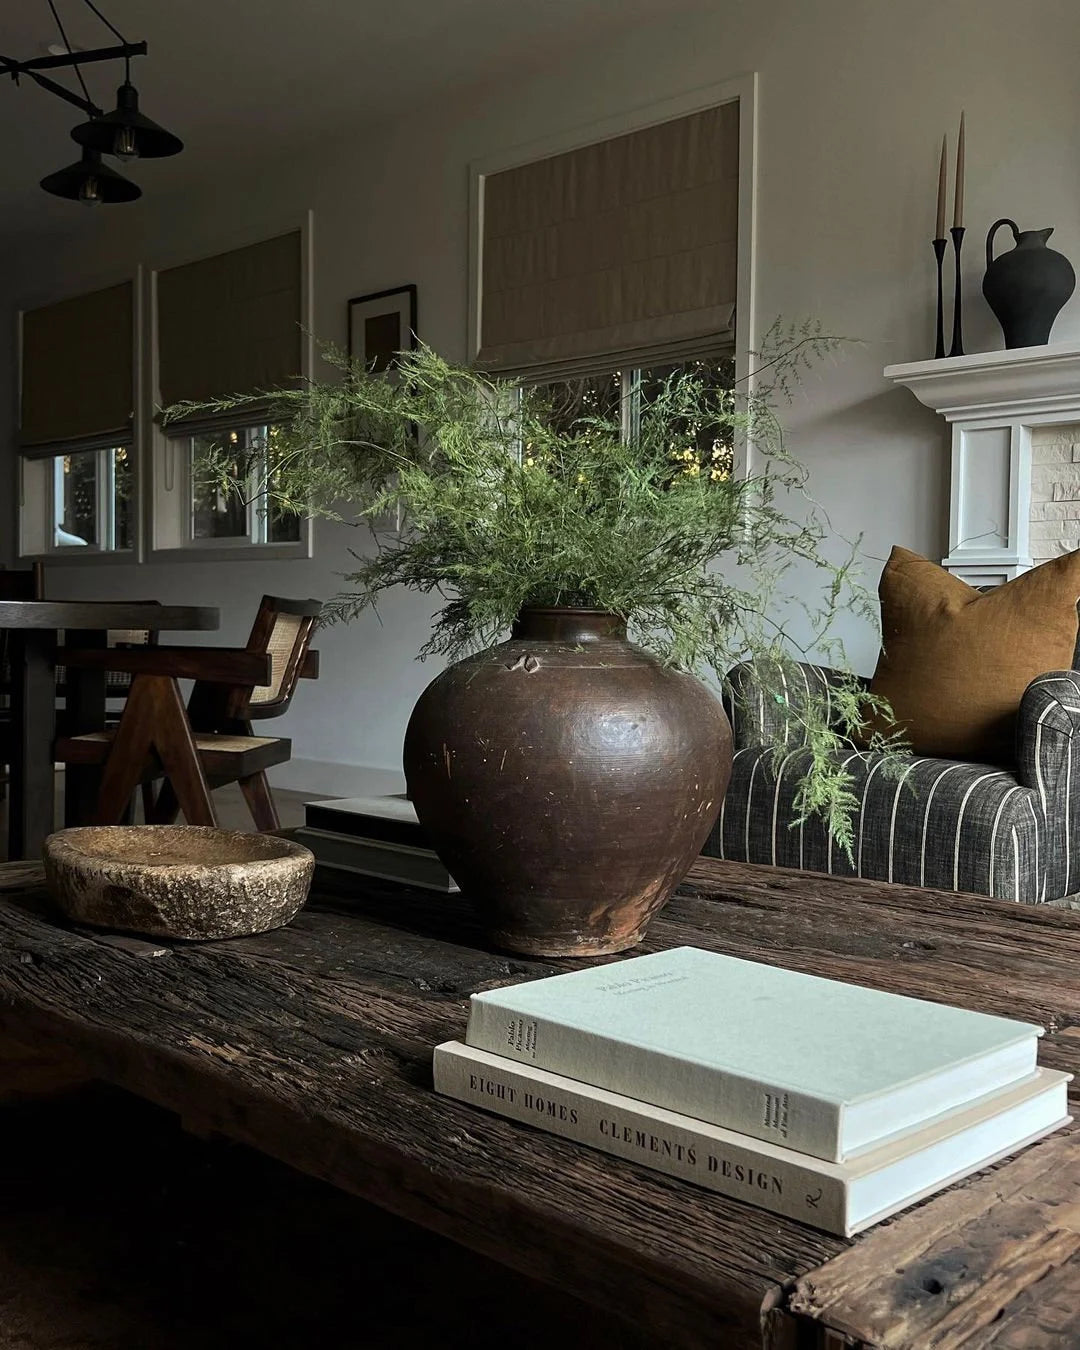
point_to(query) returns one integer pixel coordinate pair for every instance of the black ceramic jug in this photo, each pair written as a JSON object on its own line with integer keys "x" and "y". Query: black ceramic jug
{"x": 1027, "y": 286}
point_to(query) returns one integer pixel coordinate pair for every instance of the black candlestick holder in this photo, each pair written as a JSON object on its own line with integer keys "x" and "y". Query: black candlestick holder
{"x": 957, "y": 348}
{"x": 939, "y": 254}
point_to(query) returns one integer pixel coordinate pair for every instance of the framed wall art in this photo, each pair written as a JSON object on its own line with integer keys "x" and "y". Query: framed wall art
{"x": 381, "y": 325}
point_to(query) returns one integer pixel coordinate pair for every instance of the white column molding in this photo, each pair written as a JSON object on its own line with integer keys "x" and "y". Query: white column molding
{"x": 993, "y": 400}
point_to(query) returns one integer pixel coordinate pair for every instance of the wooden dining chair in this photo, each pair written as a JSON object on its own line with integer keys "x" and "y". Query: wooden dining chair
{"x": 212, "y": 742}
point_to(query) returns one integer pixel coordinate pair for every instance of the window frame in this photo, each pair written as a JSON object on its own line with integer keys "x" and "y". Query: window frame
{"x": 742, "y": 88}
{"x": 39, "y": 505}
{"x": 169, "y": 469}
{"x": 257, "y": 520}
{"x": 34, "y": 471}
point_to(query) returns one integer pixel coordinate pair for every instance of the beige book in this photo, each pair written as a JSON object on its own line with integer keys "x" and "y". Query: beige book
{"x": 840, "y": 1198}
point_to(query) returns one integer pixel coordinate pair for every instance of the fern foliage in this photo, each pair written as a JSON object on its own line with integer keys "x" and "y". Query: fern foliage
{"x": 473, "y": 491}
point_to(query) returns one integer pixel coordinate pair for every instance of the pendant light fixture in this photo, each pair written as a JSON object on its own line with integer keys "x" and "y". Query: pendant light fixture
{"x": 125, "y": 132}
{"x": 91, "y": 182}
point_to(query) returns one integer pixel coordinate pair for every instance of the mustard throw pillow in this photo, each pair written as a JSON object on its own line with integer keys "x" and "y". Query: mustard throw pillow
{"x": 956, "y": 661}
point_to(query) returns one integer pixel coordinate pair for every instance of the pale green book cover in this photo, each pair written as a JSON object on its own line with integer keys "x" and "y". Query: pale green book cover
{"x": 820, "y": 1066}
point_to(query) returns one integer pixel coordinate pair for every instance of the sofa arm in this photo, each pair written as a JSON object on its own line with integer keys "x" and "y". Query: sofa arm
{"x": 1046, "y": 728}
{"x": 765, "y": 710}
{"x": 1048, "y": 762}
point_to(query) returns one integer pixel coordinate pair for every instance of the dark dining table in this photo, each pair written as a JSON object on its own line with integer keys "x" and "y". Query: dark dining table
{"x": 32, "y": 627}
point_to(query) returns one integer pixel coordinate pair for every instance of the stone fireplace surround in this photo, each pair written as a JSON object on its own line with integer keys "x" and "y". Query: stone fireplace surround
{"x": 1015, "y": 458}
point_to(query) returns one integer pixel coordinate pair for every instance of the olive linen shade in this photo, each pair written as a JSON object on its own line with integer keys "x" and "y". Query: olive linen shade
{"x": 618, "y": 249}
{"x": 956, "y": 661}
{"x": 78, "y": 370}
{"x": 230, "y": 324}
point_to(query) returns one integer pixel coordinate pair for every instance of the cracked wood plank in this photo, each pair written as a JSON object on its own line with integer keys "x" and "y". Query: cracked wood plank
{"x": 995, "y": 1263}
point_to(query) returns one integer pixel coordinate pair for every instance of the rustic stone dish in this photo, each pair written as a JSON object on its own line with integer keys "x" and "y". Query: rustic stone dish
{"x": 177, "y": 881}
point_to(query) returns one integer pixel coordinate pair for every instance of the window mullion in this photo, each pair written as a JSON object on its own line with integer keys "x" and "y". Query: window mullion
{"x": 256, "y": 517}
{"x": 56, "y": 500}
{"x": 105, "y": 523}
{"x": 629, "y": 403}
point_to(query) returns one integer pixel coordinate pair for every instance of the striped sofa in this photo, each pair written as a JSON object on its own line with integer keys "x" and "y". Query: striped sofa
{"x": 1010, "y": 831}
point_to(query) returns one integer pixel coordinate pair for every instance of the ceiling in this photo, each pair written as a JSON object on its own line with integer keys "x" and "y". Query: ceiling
{"x": 236, "y": 77}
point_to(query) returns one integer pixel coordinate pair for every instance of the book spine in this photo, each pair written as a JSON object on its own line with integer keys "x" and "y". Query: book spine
{"x": 373, "y": 828}
{"x": 756, "y": 1107}
{"x": 797, "y": 1190}
{"x": 386, "y": 863}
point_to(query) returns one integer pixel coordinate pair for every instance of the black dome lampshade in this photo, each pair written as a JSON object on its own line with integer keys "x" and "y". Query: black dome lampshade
{"x": 125, "y": 132}
{"x": 91, "y": 182}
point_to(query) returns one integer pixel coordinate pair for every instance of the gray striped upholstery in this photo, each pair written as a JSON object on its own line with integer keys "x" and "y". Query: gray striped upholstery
{"x": 761, "y": 717}
{"x": 1008, "y": 831}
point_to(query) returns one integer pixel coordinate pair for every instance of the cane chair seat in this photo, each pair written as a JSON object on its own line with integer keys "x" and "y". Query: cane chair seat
{"x": 223, "y": 756}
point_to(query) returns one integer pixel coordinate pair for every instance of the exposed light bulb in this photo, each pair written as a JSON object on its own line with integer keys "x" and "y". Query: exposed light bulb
{"x": 125, "y": 145}
{"x": 89, "y": 191}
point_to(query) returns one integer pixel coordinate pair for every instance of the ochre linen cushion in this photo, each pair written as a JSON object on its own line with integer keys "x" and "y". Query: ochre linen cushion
{"x": 956, "y": 661}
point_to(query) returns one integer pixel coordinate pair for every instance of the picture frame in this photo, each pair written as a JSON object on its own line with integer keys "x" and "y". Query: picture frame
{"x": 380, "y": 325}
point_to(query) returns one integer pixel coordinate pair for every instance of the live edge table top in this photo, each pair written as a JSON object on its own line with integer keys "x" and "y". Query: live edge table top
{"x": 314, "y": 1044}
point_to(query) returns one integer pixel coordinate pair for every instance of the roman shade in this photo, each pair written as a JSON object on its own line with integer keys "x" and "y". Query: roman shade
{"x": 77, "y": 371}
{"x": 230, "y": 324}
{"x": 624, "y": 248}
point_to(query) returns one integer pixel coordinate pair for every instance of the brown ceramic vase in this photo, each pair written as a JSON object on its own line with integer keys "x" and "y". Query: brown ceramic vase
{"x": 567, "y": 780}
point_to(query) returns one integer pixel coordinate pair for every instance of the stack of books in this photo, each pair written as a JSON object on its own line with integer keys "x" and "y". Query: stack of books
{"x": 819, "y": 1100}
{"x": 376, "y": 837}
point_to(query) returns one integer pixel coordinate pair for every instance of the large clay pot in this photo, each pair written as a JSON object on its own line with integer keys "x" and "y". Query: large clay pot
{"x": 567, "y": 779}
{"x": 1027, "y": 286}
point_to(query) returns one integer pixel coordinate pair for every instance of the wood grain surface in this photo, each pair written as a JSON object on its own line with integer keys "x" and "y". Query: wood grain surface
{"x": 105, "y": 614}
{"x": 313, "y": 1044}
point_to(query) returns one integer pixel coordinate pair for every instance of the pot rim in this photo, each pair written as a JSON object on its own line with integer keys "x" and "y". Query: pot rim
{"x": 571, "y": 609}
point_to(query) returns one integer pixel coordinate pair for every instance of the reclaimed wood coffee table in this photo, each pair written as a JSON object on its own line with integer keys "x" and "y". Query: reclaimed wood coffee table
{"x": 314, "y": 1043}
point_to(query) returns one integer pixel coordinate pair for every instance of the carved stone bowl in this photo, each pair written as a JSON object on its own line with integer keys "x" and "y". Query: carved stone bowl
{"x": 177, "y": 881}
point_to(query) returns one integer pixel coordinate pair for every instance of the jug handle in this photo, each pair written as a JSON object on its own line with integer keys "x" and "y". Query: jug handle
{"x": 993, "y": 230}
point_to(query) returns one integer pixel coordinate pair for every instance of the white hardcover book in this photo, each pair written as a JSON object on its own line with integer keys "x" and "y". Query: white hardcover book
{"x": 816, "y": 1065}
{"x": 841, "y": 1198}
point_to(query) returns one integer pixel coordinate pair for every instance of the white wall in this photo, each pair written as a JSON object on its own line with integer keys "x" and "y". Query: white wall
{"x": 854, "y": 97}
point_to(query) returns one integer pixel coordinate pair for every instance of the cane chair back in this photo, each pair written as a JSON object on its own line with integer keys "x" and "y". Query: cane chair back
{"x": 282, "y": 630}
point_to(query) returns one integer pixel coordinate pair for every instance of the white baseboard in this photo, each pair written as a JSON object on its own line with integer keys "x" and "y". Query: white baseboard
{"x": 324, "y": 778}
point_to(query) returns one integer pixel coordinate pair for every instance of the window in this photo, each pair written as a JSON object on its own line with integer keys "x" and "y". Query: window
{"x": 80, "y": 500}
{"x": 625, "y": 391}
{"x": 234, "y": 513}
{"x": 210, "y": 495}
{"x": 93, "y": 467}
{"x": 227, "y": 324}
{"x": 76, "y": 425}
{"x": 91, "y": 500}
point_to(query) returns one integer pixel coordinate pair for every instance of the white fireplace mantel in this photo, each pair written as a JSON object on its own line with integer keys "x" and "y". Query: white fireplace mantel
{"x": 993, "y": 400}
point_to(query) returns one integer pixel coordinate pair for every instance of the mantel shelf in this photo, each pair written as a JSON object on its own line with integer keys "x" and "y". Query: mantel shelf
{"x": 1025, "y": 381}
{"x": 995, "y": 400}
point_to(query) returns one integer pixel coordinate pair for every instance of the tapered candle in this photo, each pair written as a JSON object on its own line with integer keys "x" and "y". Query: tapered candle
{"x": 940, "y": 232}
{"x": 958, "y": 200}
